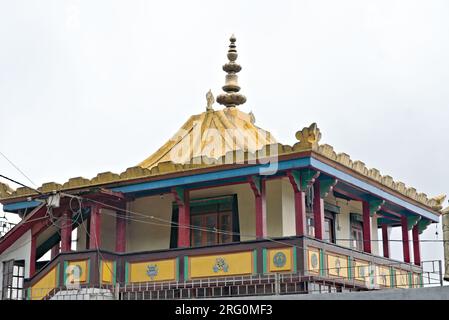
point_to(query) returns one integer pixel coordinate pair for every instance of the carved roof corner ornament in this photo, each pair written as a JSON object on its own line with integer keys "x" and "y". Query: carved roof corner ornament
{"x": 231, "y": 97}
{"x": 5, "y": 190}
{"x": 210, "y": 101}
{"x": 308, "y": 138}
{"x": 437, "y": 202}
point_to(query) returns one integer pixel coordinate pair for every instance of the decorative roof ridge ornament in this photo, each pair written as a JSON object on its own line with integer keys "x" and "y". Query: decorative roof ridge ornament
{"x": 308, "y": 138}
{"x": 210, "y": 101}
{"x": 231, "y": 97}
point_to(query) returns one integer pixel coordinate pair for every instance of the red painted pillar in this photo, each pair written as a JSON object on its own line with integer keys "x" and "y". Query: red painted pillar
{"x": 120, "y": 229}
{"x": 261, "y": 212}
{"x": 300, "y": 207}
{"x": 416, "y": 248}
{"x": 385, "y": 241}
{"x": 33, "y": 255}
{"x": 95, "y": 227}
{"x": 54, "y": 251}
{"x": 366, "y": 227}
{"x": 184, "y": 221}
{"x": 300, "y": 213}
{"x": 66, "y": 231}
{"x": 405, "y": 239}
{"x": 318, "y": 210}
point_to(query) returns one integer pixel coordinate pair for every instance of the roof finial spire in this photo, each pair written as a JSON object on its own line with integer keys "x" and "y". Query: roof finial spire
{"x": 231, "y": 97}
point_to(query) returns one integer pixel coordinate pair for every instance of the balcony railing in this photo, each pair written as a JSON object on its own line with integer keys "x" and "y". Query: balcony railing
{"x": 326, "y": 276}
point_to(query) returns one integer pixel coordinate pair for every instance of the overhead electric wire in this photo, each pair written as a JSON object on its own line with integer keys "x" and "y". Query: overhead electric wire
{"x": 17, "y": 168}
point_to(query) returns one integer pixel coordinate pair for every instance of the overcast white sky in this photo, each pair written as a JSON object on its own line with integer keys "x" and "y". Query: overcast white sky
{"x": 94, "y": 86}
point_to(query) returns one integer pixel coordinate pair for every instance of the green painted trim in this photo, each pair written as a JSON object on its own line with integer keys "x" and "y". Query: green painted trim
{"x": 180, "y": 193}
{"x": 392, "y": 277}
{"x": 295, "y": 267}
{"x": 374, "y": 206}
{"x": 66, "y": 263}
{"x": 186, "y": 268}
{"x": 412, "y": 221}
{"x": 322, "y": 273}
{"x": 349, "y": 268}
{"x": 410, "y": 280}
{"x": 100, "y": 271}
{"x": 198, "y": 202}
{"x": 114, "y": 276}
{"x": 29, "y": 293}
{"x": 308, "y": 176}
{"x": 332, "y": 208}
{"x": 126, "y": 272}
{"x": 88, "y": 271}
{"x": 177, "y": 268}
{"x": 421, "y": 280}
{"x": 264, "y": 260}
{"x": 326, "y": 185}
{"x": 255, "y": 261}
{"x": 57, "y": 274}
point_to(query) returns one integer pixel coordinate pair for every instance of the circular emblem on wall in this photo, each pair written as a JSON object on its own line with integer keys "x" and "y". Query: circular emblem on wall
{"x": 314, "y": 260}
{"x": 279, "y": 259}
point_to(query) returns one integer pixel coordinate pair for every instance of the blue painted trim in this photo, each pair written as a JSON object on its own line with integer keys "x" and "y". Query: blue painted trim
{"x": 217, "y": 175}
{"x": 372, "y": 189}
{"x": 20, "y": 205}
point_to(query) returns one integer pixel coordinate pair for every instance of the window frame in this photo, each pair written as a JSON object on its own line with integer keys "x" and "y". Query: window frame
{"x": 12, "y": 286}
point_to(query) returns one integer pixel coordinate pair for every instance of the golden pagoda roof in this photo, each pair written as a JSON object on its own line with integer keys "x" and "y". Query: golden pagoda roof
{"x": 211, "y": 134}
{"x": 217, "y": 137}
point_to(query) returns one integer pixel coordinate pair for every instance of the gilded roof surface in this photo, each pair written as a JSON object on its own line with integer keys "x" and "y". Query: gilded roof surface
{"x": 211, "y": 134}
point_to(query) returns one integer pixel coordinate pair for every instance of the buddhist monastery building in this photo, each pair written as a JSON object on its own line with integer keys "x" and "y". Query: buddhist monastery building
{"x": 221, "y": 209}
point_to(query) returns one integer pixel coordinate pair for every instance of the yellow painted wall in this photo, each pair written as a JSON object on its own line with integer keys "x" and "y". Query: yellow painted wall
{"x": 361, "y": 270}
{"x": 288, "y": 253}
{"x": 166, "y": 271}
{"x": 237, "y": 263}
{"x": 383, "y": 276}
{"x": 288, "y": 209}
{"x": 313, "y": 254}
{"x": 46, "y": 284}
{"x": 142, "y": 236}
{"x": 71, "y": 278}
{"x": 337, "y": 265}
{"x": 107, "y": 271}
{"x": 401, "y": 277}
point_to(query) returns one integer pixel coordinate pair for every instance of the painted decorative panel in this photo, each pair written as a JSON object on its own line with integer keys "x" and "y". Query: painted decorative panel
{"x": 108, "y": 271}
{"x": 221, "y": 265}
{"x": 280, "y": 259}
{"x": 383, "y": 276}
{"x": 401, "y": 277}
{"x": 160, "y": 270}
{"x": 314, "y": 260}
{"x": 76, "y": 272}
{"x": 337, "y": 265}
{"x": 417, "y": 280}
{"x": 45, "y": 285}
{"x": 361, "y": 270}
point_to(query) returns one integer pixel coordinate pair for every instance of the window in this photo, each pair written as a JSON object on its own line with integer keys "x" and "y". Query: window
{"x": 207, "y": 215}
{"x": 357, "y": 235}
{"x": 13, "y": 275}
{"x": 329, "y": 227}
{"x": 211, "y": 221}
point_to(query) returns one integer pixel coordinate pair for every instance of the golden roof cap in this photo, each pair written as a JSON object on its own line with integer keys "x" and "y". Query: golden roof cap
{"x": 231, "y": 97}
